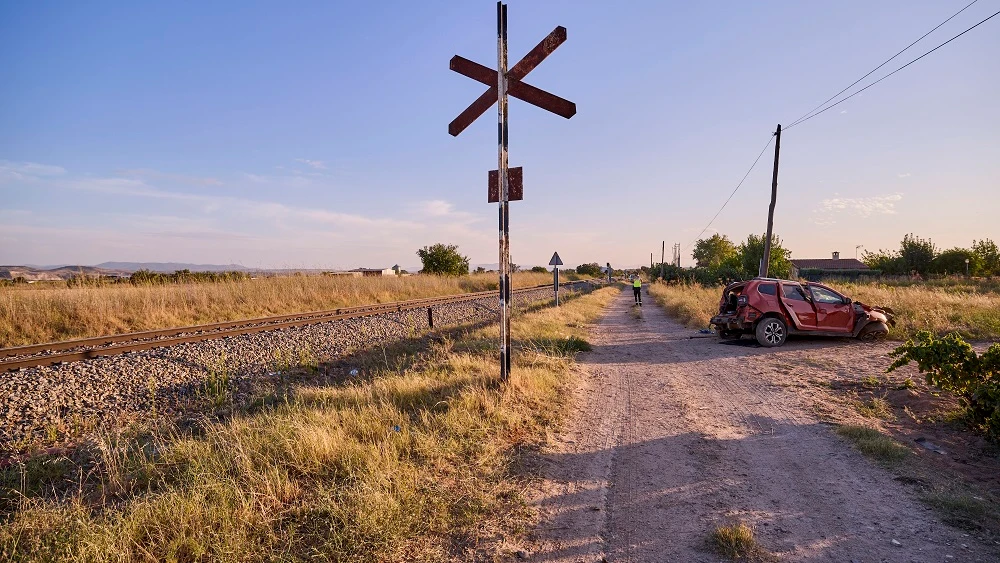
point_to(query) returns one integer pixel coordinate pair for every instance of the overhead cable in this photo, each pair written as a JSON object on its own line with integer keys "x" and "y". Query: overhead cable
{"x": 714, "y": 217}
{"x": 844, "y": 99}
{"x": 887, "y": 61}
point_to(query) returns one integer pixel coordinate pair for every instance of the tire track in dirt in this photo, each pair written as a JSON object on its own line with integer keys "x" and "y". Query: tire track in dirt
{"x": 672, "y": 436}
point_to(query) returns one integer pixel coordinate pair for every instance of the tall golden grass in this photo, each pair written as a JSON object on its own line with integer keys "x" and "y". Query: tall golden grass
{"x": 416, "y": 461}
{"x": 973, "y": 314}
{"x": 31, "y": 316}
{"x": 693, "y": 304}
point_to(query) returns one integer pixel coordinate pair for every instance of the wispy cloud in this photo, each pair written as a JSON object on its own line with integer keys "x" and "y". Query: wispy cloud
{"x": 430, "y": 215}
{"x": 176, "y": 222}
{"x": 317, "y": 164}
{"x": 255, "y": 178}
{"x": 857, "y": 206}
{"x": 27, "y": 171}
{"x": 434, "y": 208}
{"x": 904, "y": 175}
{"x": 843, "y": 111}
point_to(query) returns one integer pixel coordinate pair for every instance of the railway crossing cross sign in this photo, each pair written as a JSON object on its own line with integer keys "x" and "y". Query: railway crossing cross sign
{"x": 502, "y": 82}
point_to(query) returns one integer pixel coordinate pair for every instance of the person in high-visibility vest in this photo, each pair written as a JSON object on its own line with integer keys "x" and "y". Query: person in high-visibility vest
{"x": 636, "y": 290}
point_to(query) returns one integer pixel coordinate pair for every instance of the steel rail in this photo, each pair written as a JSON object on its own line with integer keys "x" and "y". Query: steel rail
{"x": 87, "y": 348}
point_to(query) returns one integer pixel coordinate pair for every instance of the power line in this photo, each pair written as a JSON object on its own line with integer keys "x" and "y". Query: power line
{"x": 842, "y": 100}
{"x": 714, "y": 217}
{"x": 890, "y": 59}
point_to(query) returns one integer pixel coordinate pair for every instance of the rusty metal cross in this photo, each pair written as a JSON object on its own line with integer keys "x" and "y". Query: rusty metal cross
{"x": 520, "y": 90}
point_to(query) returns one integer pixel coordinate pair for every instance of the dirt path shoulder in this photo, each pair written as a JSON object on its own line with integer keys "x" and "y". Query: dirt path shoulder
{"x": 671, "y": 437}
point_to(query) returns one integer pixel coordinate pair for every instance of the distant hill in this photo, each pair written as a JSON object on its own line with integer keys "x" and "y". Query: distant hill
{"x": 171, "y": 267}
{"x": 119, "y": 269}
{"x": 56, "y": 274}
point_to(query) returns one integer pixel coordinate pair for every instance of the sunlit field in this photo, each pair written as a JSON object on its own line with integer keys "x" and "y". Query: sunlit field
{"x": 45, "y": 313}
{"x": 415, "y": 460}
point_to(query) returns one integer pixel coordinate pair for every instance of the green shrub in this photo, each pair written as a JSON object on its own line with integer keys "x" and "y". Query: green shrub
{"x": 952, "y": 365}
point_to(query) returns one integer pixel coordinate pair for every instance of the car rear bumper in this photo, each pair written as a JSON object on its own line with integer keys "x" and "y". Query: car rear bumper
{"x": 730, "y": 322}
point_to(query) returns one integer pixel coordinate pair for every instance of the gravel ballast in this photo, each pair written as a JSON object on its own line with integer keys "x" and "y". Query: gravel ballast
{"x": 46, "y": 402}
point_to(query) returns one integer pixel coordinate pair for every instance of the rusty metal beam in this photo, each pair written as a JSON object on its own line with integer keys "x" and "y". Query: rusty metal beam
{"x": 520, "y": 90}
{"x": 527, "y": 63}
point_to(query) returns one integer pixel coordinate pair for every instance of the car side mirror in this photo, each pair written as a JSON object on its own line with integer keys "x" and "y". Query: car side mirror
{"x": 847, "y": 301}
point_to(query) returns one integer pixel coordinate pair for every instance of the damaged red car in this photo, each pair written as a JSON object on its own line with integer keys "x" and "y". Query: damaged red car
{"x": 772, "y": 309}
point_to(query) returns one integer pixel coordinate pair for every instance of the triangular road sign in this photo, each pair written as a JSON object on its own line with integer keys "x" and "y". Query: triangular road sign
{"x": 556, "y": 261}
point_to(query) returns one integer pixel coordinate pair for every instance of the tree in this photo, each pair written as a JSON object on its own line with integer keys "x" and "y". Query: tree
{"x": 443, "y": 259}
{"x": 952, "y": 261}
{"x": 593, "y": 269}
{"x": 751, "y": 252}
{"x": 917, "y": 253}
{"x": 539, "y": 269}
{"x": 989, "y": 257}
{"x": 885, "y": 261}
{"x": 713, "y": 251}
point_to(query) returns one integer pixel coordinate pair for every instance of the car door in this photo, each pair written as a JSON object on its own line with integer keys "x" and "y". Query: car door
{"x": 833, "y": 313}
{"x": 798, "y": 305}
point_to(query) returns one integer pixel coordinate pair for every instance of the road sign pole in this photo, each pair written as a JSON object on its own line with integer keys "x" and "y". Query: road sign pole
{"x": 765, "y": 263}
{"x": 504, "y": 207}
{"x": 555, "y": 282}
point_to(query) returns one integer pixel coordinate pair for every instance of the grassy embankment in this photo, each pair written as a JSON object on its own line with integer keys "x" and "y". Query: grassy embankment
{"x": 417, "y": 460}
{"x": 30, "y": 316}
{"x": 971, "y": 309}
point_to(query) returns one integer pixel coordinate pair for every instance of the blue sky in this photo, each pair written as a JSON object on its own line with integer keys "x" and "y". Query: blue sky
{"x": 315, "y": 134}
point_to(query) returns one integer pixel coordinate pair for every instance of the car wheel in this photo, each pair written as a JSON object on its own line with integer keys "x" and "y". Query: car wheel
{"x": 873, "y": 332}
{"x": 771, "y": 332}
{"x": 730, "y": 334}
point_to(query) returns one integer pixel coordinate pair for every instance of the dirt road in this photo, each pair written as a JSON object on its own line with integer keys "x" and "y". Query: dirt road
{"x": 672, "y": 436}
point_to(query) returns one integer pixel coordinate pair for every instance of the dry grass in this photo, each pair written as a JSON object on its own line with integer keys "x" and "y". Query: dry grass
{"x": 973, "y": 314}
{"x": 417, "y": 462}
{"x": 874, "y": 444}
{"x": 876, "y": 407}
{"x": 30, "y": 316}
{"x": 693, "y": 305}
{"x": 736, "y": 541}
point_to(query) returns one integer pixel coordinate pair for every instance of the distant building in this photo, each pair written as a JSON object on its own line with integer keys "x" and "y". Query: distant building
{"x": 374, "y": 272}
{"x": 364, "y": 272}
{"x": 819, "y": 268}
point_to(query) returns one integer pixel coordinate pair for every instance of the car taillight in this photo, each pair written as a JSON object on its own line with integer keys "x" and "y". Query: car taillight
{"x": 742, "y": 300}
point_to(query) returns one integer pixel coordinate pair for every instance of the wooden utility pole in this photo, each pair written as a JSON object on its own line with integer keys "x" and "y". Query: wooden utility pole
{"x": 765, "y": 263}
{"x": 663, "y": 257}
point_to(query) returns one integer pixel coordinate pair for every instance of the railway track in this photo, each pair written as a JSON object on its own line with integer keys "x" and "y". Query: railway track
{"x": 36, "y": 355}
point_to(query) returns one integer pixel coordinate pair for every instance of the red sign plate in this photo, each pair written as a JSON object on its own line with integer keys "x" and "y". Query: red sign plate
{"x": 515, "y": 185}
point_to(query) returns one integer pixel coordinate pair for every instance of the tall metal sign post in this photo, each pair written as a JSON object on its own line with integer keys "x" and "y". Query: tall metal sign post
{"x": 506, "y": 183}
